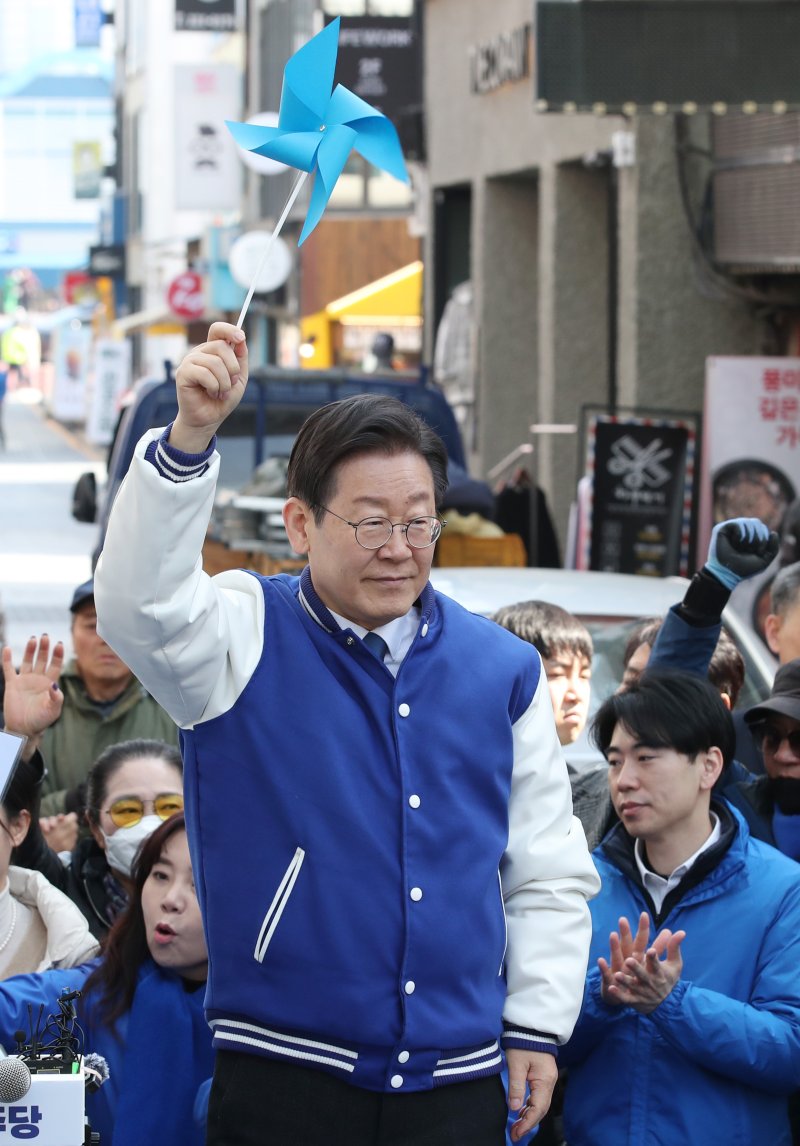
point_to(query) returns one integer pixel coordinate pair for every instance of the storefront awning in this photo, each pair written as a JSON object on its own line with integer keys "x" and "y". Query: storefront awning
{"x": 156, "y": 317}
{"x": 395, "y": 296}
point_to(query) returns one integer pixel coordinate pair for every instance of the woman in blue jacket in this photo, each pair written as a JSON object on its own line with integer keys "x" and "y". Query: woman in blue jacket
{"x": 141, "y": 1006}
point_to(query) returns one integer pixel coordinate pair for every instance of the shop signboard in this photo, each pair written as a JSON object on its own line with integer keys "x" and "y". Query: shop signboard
{"x": 380, "y": 60}
{"x": 89, "y": 19}
{"x": 642, "y": 470}
{"x": 205, "y": 15}
{"x": 207, "y": 169}
{"x": 751, "y": 441}
{"x": 185, "y": 295}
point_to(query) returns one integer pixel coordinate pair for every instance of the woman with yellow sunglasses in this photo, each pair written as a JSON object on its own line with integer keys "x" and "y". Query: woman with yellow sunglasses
{"x": 132, "y": 788}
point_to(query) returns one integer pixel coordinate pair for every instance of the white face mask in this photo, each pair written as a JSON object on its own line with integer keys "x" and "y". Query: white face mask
{"x": 121, "y": 848}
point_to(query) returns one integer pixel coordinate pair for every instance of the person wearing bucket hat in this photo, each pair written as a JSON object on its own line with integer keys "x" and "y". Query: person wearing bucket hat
{"x": 72, "y": 713}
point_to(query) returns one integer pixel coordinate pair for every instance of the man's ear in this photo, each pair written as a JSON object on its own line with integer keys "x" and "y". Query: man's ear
{"x": 772, "y": 627}
{"x": 711, "y": 763}
{"x": 297, "y": 517}
{"x": 726, "y": 700}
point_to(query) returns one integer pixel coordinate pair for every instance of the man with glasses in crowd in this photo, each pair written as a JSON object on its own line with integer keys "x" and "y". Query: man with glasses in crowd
{"x": 380, "y": 766}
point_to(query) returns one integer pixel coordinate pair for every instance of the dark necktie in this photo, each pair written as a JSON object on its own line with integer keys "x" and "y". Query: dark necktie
{"x": 376, "y": 645}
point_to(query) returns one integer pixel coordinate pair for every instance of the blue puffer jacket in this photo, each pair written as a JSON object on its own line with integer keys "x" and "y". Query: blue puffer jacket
{"x": 716, "y": 1061}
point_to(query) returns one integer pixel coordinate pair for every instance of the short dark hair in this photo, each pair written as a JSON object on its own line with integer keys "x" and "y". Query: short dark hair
{"x": 668, "y": 709}
{"x": 785, "y": 589}
{"x": 109, "y": 762}
{"x": 643, "y": 633}
{"x": 549, "y": 628}
{"x": 23, "y": 791}
{"x": 726, "y": 667}
{"x": 363, "y": 424}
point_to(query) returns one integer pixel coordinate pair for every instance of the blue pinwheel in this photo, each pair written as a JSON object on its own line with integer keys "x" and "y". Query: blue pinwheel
{"x": 319, "y": 127}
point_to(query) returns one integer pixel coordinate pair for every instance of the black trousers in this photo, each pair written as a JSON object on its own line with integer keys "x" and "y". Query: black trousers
{"x": 258, "y": 1102}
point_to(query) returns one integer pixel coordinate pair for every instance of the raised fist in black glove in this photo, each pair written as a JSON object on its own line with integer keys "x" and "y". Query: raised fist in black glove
{"x": 739, "y": 549}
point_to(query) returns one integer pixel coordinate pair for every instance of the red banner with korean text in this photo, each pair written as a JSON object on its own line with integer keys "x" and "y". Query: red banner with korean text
{"x": 751, "y": 442}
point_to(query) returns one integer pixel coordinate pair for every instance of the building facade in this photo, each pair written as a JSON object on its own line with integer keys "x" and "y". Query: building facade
{"x": 572, "y": 229}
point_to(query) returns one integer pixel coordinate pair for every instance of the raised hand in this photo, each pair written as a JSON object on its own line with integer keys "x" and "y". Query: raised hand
{"x": 61, "y": 831}
{"x": 739, "y": 549}
{"x": 33, "y": 700}
{"x": 210, "y": 383}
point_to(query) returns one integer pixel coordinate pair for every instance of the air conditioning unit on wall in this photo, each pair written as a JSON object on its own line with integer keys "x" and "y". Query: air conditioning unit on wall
{"x": 756, "y": 185}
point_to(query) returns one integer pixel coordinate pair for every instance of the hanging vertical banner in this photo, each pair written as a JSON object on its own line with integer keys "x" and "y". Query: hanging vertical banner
{"x": 207, "y": 172}
{"x": 89, "y": 20}
{"x": 643, "y": 479}
{"x": 205, "y": 15}
{"x": 71, "y": 349}
{"x": 87, "y": 168}
{"x": 112, "y": 375}
{"x": 751, "y": 441}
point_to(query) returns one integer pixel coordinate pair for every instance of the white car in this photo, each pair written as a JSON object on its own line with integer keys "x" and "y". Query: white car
{"x": 609, "y": 604}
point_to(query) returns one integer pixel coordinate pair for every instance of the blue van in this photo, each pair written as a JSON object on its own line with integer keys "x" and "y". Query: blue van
{"x": 276, "y": 403}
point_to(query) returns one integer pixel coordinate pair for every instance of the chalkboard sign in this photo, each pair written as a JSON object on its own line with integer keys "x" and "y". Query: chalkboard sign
{"x": 643, "y": 478}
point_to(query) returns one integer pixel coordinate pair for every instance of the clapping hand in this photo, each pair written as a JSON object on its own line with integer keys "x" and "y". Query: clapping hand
{"x": 640, "y": 975}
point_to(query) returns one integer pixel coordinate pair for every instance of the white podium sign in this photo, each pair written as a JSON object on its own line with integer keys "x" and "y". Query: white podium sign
{"x": 52, "y": 1113}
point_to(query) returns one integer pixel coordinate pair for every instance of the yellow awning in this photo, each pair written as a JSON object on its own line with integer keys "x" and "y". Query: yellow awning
{"x": 397, "y": 295}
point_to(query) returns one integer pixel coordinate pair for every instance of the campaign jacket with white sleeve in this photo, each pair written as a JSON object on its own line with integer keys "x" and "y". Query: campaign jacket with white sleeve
{"x": 354, "y": 835}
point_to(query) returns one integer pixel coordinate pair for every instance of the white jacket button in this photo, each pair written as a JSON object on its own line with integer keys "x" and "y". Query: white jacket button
{"x": 416, "y": 894}
{"x": 414, "y": 801}
{"x": 397, "y": 1080}
{"x": 404, "y": 709}
{"x": 410, "y": 987}
{"x": 404, "y": 1056}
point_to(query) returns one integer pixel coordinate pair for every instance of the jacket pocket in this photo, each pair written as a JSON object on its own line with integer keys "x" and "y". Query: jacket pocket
{"x": 278, "y": 905}
{"x": 505, "y": 925}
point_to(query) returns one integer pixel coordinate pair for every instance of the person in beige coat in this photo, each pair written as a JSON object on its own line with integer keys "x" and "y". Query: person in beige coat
{"x": 40, "y": 927}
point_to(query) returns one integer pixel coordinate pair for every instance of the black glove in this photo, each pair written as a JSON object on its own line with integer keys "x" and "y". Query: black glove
{"x": 739, "y": 549}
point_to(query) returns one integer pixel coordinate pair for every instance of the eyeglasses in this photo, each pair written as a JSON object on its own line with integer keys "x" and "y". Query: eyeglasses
{"x": 129, "y": 810}
{"x": 373, "y": 532}
{"x": 768, "y": 737}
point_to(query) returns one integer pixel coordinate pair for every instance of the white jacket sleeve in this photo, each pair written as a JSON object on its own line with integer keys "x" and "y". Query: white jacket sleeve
{"x": 192, "y": 640}
{"x": 547, "y": 876}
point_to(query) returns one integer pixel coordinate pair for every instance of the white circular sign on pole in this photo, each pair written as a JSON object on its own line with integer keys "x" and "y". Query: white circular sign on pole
{"x": 262, "y": 163}
{"x": 246, "y": 254}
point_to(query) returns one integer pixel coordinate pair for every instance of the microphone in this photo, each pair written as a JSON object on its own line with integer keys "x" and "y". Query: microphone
{"x": 95, "y": 1070}
{"x": 15, "y": 1079}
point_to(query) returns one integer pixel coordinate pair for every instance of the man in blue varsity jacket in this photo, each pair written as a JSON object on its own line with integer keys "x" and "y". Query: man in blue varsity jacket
{"x": 392, "y": 881}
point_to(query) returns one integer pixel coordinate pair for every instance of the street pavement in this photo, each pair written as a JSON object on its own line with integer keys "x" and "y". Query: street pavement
{"x": 44, "y": 552}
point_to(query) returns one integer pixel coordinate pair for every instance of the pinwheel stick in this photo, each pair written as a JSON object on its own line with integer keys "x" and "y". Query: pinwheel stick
{"x": 278, "y": 227}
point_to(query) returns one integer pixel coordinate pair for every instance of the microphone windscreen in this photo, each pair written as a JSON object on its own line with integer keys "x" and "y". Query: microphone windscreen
{"x": 15, "y": 1079}
{"x": 96, "y": 1072}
